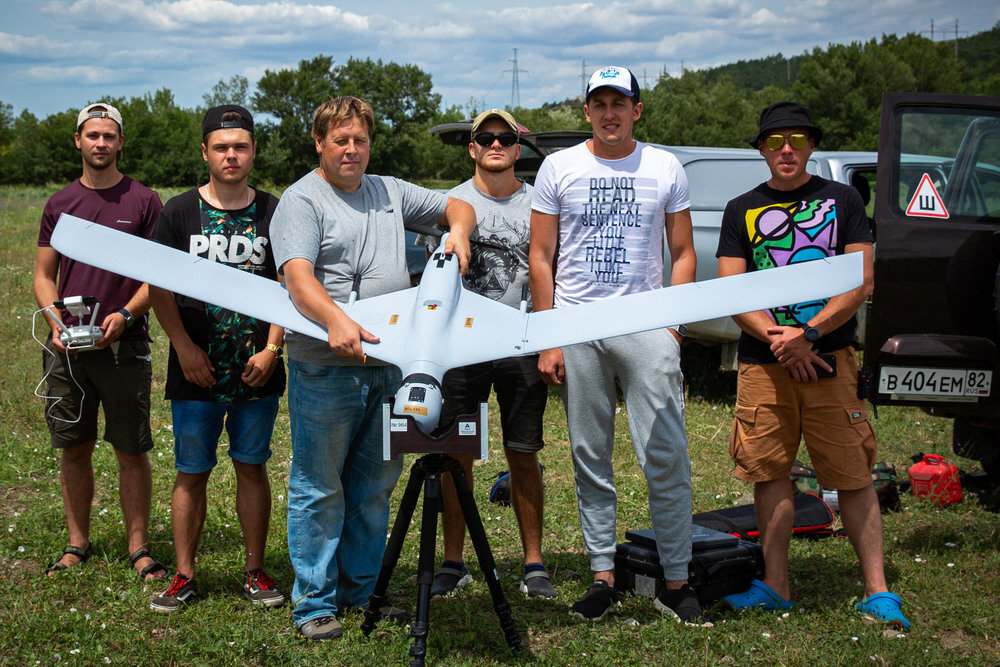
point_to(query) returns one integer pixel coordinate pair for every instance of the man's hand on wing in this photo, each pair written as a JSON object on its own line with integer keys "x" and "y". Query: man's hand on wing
{"x": 345, "y": 336}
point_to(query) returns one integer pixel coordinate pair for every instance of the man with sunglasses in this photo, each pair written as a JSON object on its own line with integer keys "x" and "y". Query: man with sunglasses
{"x": 798, "y": 371}
{"x": 601, "y": 214}
{"x": 503, "y": 208}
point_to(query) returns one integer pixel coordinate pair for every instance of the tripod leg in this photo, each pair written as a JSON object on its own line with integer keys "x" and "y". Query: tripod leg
{"x": 486, "y": 563}
{"x": 407, "y": 504}
{"x": 425, "y": 566}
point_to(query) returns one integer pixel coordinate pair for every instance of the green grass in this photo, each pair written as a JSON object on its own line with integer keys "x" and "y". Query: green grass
{"x": 943, "y": 562}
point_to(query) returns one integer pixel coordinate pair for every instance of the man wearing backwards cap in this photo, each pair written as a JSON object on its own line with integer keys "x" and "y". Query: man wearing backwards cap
{"x": 503, "y": 208}
{"x": 224, "y": 367}
{"x": 599, "y": 213}
{"x": 798, "y": 372}
{"x": 115, "y": 375}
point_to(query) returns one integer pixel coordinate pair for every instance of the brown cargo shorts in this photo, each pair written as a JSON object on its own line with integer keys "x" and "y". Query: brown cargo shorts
{"x": 774, "y": 413}
{"x": 116, "y": 378}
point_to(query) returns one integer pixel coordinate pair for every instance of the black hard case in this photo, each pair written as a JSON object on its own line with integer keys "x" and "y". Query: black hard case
{"x": 720, "y": 564}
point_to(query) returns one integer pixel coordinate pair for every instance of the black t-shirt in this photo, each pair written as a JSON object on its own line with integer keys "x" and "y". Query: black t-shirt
{"x": 770, "y": 228}
{"x": 239, "y": 239}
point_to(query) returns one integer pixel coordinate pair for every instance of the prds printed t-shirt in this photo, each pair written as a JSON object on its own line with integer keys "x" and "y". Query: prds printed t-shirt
{"x": 611, "y": 219}
{"x": 770, "y": 228}
{"x": 240, "y": 239}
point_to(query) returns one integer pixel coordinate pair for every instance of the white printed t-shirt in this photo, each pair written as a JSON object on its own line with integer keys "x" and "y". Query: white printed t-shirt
{"x": 611, "y": 219}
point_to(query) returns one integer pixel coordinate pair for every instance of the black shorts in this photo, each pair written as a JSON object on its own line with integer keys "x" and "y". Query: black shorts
{"x": 116, "y": 377}
{"x": 521, "y": 395}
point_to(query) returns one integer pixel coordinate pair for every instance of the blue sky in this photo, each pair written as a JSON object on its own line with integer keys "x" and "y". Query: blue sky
{"x": 60, "y": 54}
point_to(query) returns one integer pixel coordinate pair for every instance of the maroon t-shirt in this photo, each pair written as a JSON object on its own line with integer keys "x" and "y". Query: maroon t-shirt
{"x": 128, "y": 206}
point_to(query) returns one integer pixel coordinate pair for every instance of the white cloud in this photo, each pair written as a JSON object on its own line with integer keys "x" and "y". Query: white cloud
{"x": 79, "y": 74}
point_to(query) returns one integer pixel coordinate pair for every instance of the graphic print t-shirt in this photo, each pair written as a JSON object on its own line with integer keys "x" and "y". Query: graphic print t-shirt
{"x": 770, "y": 228}
{"x": 611, "y": 217}
{"x": 496, "y": 274}
{"x": 240, "y": 239}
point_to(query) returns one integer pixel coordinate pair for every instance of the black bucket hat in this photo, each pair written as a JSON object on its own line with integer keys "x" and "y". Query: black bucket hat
{"x": 786, "y": 114}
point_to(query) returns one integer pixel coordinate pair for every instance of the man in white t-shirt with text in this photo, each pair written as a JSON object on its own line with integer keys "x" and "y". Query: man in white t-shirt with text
{"x": 599, "y": 213}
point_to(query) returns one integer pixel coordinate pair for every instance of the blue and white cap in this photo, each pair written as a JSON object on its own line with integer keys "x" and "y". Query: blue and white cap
{"x": 619, "y": 78}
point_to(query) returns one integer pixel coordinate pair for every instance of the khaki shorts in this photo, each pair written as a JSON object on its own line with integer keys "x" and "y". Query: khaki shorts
{"x": 116, "y": 377}
{"x": 774, "y": 412}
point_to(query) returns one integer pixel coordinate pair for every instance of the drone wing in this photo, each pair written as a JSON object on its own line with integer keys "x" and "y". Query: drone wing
{"x": 693, "y": 302}
{"x": 386, "y": 316}
{"x": 488, "y": 330}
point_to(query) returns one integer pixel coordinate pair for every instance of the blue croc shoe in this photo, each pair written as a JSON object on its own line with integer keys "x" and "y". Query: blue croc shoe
{"x": 758, "y": 596}
{"x": 884, "y": 607}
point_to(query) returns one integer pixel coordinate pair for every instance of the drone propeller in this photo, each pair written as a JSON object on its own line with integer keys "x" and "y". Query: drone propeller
{"x": 437, "y": 232}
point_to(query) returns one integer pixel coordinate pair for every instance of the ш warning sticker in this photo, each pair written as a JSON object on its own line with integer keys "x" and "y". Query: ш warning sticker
{"x": 926, "y": 202}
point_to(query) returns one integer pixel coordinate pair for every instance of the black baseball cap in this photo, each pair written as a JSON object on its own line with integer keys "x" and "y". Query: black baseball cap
{"x": 786, "y": 114}
{"x": 213, "y": 119}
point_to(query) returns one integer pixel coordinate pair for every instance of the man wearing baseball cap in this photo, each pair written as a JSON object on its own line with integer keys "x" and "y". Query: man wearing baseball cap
{"x": 798, "y": 370}
{"x": 116, "y": 374}
{"x": 503, "y": 208}
{"x": 601, "y": 214}
{"x": 224, "y": 368}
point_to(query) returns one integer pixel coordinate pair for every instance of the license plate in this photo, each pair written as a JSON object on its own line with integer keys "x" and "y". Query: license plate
{"x": 935, "y": 384}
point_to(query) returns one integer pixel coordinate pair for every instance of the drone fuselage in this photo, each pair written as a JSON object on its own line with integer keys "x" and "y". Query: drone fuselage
{"x": 426, "y": 348}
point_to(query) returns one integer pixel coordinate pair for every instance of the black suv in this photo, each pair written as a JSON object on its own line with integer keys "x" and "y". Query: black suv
{"x": 934, "y": 324}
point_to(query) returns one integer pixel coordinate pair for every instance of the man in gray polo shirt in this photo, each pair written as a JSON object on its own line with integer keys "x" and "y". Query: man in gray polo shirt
{"x": 334, "y": 225}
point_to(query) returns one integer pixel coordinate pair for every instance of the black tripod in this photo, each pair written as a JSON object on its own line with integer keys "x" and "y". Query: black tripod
{"x": 427, "y": 470}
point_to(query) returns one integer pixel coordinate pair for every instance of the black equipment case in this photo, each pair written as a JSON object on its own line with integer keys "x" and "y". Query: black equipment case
{"x": 720, "y": 564}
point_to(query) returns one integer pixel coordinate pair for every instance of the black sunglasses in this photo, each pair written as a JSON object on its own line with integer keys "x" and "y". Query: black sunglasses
{"x": 486, "y": 139}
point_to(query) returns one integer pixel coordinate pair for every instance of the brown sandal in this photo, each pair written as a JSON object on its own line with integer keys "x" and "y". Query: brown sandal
{"x": 143, "y": 552}
{"x": 82, "y": 554}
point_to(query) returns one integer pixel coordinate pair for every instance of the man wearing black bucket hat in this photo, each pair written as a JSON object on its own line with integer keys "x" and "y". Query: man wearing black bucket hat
{"x": 798, "y": 371}
{"x": 224, "y": 368}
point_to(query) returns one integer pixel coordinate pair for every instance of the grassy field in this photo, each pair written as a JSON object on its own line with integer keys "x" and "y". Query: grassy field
{"x": 943, "y": 562}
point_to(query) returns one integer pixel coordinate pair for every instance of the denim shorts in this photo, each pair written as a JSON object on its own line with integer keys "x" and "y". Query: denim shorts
{"x": 198, "y": 425}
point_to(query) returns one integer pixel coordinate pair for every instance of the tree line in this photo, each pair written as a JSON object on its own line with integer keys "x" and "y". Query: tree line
{"x": 842, "y": 84}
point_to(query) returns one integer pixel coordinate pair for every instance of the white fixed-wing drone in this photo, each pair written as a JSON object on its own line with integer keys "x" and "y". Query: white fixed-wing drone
{"x": 439, "y": 325}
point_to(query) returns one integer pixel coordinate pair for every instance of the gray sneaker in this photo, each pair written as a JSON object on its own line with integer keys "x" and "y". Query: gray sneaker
{"x": 448, "y": 580}
{"x": 319, "y": 629}
{"x": 260, "y": 589}
{"x": 182, "y": 591}
{"x": 537, "y": 585}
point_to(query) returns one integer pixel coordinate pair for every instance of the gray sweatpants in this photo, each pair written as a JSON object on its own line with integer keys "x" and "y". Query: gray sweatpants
{"x": 648, "y": 367}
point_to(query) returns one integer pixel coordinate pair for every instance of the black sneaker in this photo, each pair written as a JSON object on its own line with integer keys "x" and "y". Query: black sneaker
{"x": 595, "y": 605}
{"x": 321, "y": 628}
{"x": 448, "y": 580}
{"x": 181, "y": 591}
{"x": 682, "y": 605}
{"x": 537, "y": 585}
{"x": 260, "y": 589}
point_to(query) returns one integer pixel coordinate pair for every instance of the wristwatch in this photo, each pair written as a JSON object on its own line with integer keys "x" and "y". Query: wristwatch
{"x": 681, "y": 330}
{"x": 811, "y": 333}
{"x": 278, "y": 351}
{"x": 129, "y": 318}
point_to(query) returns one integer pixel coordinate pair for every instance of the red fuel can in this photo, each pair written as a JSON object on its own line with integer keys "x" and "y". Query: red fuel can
{"x": 937, "y": 479}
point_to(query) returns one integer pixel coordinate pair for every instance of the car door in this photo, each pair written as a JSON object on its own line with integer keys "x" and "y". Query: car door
{"x": 932, "y": 332}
